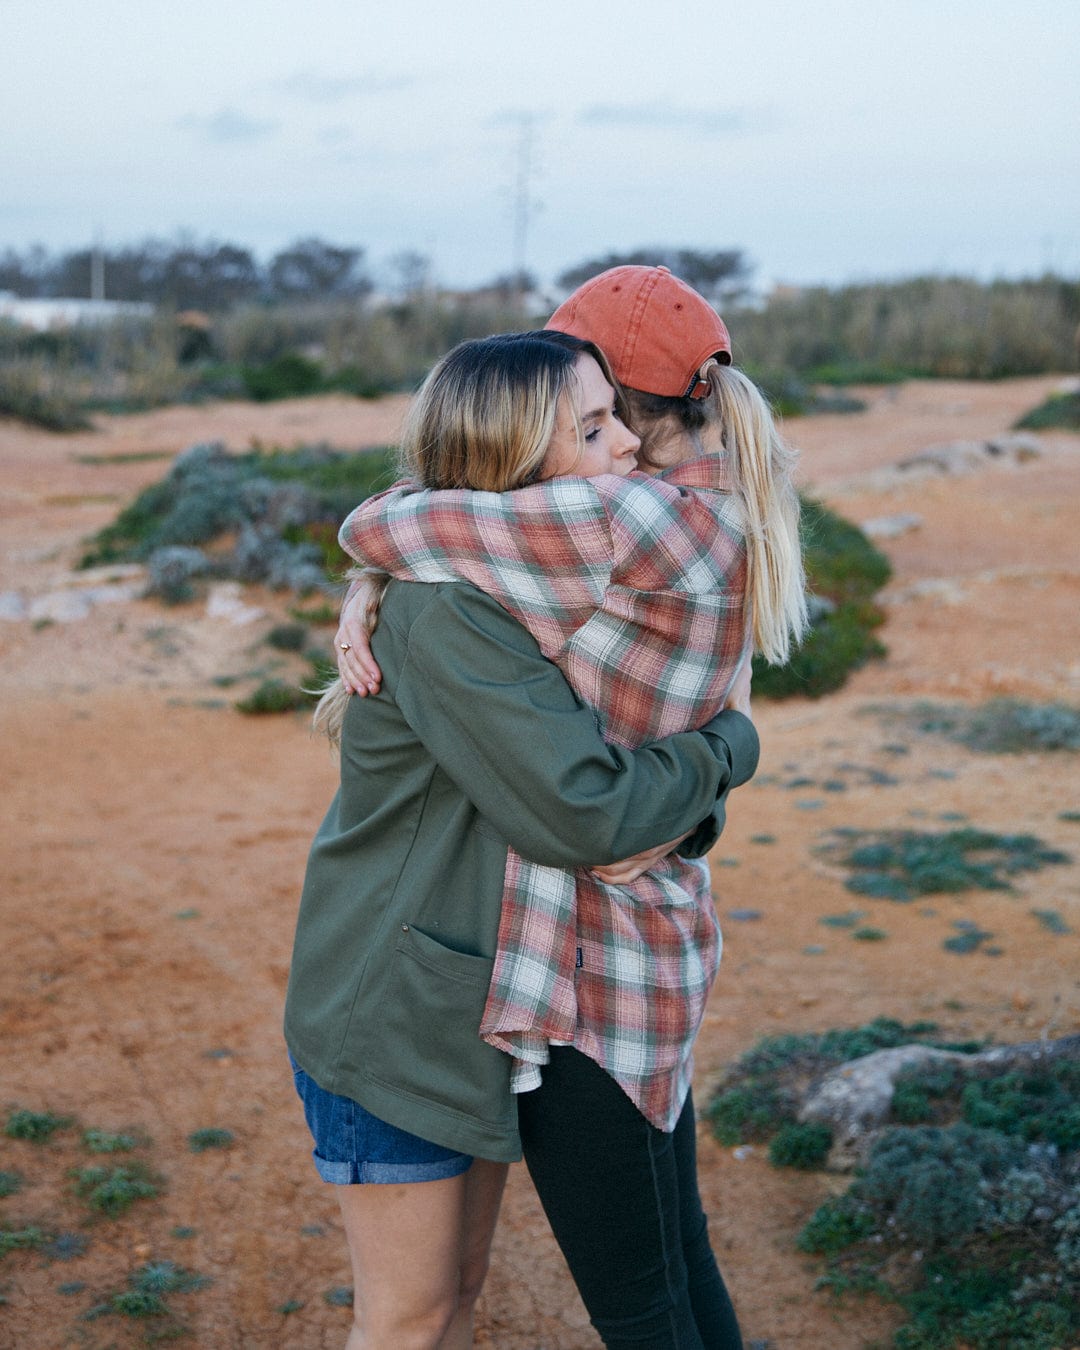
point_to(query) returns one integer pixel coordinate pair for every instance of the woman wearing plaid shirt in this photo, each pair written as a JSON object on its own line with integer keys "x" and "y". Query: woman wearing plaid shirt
{"x": 639, "y": 591}
{"x": 475, "y": 741}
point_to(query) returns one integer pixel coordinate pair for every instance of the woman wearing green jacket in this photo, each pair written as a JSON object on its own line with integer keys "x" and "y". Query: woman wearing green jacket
{"x": 474, "y": 742}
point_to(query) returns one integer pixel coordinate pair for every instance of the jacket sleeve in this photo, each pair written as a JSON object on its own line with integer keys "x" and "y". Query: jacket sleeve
{"x": 505, "y": 726}
{"x": 736, "y": 738}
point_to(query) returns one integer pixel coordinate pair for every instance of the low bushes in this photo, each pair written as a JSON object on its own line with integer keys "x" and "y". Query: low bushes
{"x": 844, "y": 571}
{"x": 967, "y": 1210}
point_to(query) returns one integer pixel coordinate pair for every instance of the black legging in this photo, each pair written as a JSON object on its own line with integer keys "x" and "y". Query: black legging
{"x": 622, "y": 1200}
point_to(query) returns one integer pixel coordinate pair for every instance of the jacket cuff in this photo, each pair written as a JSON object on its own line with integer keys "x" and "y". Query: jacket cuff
{"x": 739, "y": 736}
{"x": 734, "y": 737}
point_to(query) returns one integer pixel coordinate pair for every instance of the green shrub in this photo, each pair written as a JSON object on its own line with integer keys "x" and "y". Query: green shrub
{"x": 107, "y": 1141}
{"x": 273, "y": 696}
{"x": 146, "y": 1294}
{"x": 36, "y": 1126}
{"x": 790, "y": 395}
{"x": 287, "y": 637}
{"x": 289, "y": 375}
{"x": 929, "y": 1180}
{"x": 845, "y": 569}
{"x": 838, "y": 643}
{"x": 322, "y": 616}
{"x": 280, "y": 509}
{"x": 838, "y": 1223}
{"x": 957, "y": 1305}
{"x": 113, "y": 1191}
{"x": 1052, "y": 921}
{"x": 841, "y": 562}
{"x": 805, "y": 1146}
{"x": 759, "y": 1095}
{"x": 901, "y": 864}
{"x": 201, "y": 1140}
{"x": 747, "y": 1112}
{"x": 1001, "y": 726}
{"x": 10, "y": 1183}
{"x": 1039, "y": 1106}
{"x": 21, "y": 1239}
{"x": 989, "y": 1257}
{"x": 33, "y": 393}
{"x": 1059, "y": 410}
{"x": 919, "y": 1096}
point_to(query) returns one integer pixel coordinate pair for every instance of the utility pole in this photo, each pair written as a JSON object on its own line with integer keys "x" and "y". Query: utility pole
{"x": 97, "y": 268}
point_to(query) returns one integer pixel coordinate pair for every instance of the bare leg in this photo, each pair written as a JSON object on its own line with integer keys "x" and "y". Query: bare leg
{"x": 419, "y": 1254}
{"x": 484, "y": 1184}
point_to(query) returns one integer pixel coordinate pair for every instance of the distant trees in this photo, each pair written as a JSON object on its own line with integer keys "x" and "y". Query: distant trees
{"x": 722, "y": 276}
{"x": 188, "y": 274}
{"x": 311, "y": 269}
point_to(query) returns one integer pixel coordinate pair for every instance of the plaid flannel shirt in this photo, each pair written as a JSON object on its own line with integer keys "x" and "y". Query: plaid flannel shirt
{"x": 635, "y": 588}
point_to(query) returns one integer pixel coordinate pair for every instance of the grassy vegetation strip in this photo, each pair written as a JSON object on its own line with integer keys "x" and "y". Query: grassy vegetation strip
{"x": 1001, "y": 726}
{"x": 903, "y": 864}
{"x": 108, "y": 1191}
{"x": 280, "y": 508}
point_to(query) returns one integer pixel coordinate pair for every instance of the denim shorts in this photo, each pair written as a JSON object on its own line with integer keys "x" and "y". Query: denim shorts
{"x": 353, "y": 1146}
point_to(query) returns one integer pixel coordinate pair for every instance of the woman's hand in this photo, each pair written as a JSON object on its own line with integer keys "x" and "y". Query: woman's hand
{"x": 357, "y": 667}
{"x": 738, "y": 699}
{"x": 627, "y": 871}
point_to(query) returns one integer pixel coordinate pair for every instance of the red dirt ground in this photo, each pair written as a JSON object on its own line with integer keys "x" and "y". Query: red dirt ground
{"x": 155, "y": 842}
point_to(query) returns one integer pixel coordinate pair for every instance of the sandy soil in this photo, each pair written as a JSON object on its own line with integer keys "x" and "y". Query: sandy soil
{"x": 155, "y": 842}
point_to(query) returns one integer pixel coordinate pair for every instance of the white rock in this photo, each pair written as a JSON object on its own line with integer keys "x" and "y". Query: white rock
{"x": 1017, "y": 446}
{"x": 12, "y": 606}
{"x": 888, "y": 527}
{"x": 60, "y": 607}
{"x": 116, "y": 593}
{"x": 955, "y": 458}
{"x": 224, "y": 602}
{"x": 960, "y": 457}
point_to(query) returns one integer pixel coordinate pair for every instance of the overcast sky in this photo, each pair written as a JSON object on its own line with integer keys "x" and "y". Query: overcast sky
{"x": 831, "y": 142}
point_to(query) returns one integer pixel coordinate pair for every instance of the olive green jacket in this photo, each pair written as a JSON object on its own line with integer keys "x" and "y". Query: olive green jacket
{"x": 474, "y": 742}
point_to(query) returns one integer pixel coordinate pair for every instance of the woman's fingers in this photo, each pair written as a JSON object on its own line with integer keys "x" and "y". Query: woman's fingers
{"x": 357, "y": 667}
{"x": 629, "y": 869}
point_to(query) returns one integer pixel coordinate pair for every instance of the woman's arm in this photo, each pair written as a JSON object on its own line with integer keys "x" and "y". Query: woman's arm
{"x": 503, "y": 723}
{"x": 547, "y": 552}
{"x": 358, "y": 669}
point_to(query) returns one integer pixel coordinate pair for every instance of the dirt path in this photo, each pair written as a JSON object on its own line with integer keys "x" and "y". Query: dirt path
{"x": 156, "y": 839}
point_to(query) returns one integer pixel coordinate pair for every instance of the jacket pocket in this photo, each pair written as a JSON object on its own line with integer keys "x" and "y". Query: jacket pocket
{"x": 429, "y": 1045}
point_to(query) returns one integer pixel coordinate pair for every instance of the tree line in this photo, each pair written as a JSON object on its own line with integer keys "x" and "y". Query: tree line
{"x": 192, "y": 275}
{"x": 216, "y": 276}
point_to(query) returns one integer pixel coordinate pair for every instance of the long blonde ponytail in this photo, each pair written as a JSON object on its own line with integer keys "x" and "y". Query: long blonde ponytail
{"x": 763, "y": 468}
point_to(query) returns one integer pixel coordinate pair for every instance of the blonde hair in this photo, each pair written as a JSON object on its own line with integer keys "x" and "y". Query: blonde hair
{"x": 483, "y": 419}
{"x": 762, "y": 466}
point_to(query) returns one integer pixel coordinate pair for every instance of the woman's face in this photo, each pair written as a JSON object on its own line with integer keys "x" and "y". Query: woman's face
{"x": 610, "y": 445}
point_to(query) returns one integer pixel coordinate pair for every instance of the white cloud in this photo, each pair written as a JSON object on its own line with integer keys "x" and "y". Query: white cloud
{"x": 664, "y": 116}
{"x": 228, "y": 125}
{"x": 313, "y": 86}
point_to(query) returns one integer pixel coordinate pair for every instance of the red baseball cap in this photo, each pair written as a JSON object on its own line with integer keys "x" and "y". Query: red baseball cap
{"x": 656, "y": 331}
